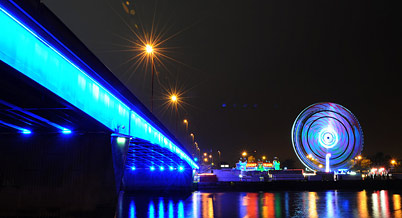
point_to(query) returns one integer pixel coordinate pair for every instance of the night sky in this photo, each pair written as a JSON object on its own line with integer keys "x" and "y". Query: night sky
{"x": 248, "y": 68}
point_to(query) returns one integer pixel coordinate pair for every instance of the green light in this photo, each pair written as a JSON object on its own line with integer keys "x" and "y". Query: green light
{"x": 121, "y": 140}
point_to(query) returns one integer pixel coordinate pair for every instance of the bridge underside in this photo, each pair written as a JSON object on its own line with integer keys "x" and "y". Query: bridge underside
{"x": 151, "y": 167}
{"x": 48, "y": 172}
{"x": 56, "y": 173}
{"x": 72, "y": 136}
{"x": 48, "y": 169}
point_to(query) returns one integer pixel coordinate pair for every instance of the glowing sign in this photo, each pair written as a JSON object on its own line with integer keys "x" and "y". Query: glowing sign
{"x": 250, "y": 165}
{"x": 267, "y": 164}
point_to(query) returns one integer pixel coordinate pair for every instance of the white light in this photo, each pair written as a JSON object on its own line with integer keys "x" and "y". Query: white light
{"x": 66, "y": 131}
{"x": 327, "y": 162}
{"x": 25, "y": 131}
{"x": 328, "y": 137}
{"x": 121, "y": 140}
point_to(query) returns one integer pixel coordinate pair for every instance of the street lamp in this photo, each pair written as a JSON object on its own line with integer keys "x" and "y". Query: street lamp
{"x": 174, "y": 100}
{"x": 244, "y": 154}
{"x": 185, "y": 121}
{"x": 149, "y": 50}
{"x": 199, "y": 151}
{"x": 263, "y": 157}
{"x": 393, "y": 162}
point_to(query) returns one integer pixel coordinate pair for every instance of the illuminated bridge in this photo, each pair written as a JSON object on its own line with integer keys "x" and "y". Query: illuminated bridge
{"x": 71, "y": 133}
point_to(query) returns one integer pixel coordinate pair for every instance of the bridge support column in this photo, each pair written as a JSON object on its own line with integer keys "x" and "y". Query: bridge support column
{"x": 53, "y": 174}
{"x": 119, "y": 146}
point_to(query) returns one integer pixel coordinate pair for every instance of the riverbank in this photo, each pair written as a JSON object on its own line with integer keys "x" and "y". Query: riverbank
{"x": 300, "y": 185}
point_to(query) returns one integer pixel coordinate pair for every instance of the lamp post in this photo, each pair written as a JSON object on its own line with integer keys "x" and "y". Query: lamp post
{"x": 185, "y": 121}
{"x": 244, "y": 154}
{"x": 219, "y": 157}
{"x": 150, "y": 52}
{"x": 194, "y": 146}
{"x": 174, "y": 100}
{"x": 199, "y": 151}
{"x": 393, "y": 164}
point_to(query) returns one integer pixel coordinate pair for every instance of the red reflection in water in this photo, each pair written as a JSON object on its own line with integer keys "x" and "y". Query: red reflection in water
{"x": 380, "y": 204}
{"x": 267, "y": 206}
{"x": 251, "y": 203}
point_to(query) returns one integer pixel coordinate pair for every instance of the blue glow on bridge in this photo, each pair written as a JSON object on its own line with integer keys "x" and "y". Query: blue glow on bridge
{"x": 22, "y": 130}
{"x": 31, "y": 54}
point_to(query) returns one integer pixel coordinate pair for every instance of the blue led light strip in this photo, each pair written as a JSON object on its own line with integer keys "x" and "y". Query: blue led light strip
{"x": 30, "y": 54}
{"x": 63, "y": 129}
{"x": 23, "y": 130}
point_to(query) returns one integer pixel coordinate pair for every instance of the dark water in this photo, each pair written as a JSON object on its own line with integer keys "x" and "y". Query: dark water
{"x": 266, "y": 204}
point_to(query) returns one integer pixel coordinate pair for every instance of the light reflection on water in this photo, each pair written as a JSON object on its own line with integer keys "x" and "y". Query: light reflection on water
{"x": 269, "y": 204}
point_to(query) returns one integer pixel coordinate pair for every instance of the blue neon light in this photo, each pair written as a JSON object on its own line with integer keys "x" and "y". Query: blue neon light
{"x": 25, "y": 131}
{"x": 152, "y": 168}
{"x": 181, "y": 168}
{"x": 161, "y": 168}
{"x": 32, "y": 55}
{"x": 171, "y": 168}
{"x": 66, "y": 131}
{"x": 133, "y": 168}
{"x": 33, "y": 115}
{"x": 22, "y": 130}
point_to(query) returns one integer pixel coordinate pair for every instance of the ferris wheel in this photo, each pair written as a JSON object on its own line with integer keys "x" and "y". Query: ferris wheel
{"x": 327, "y": 137}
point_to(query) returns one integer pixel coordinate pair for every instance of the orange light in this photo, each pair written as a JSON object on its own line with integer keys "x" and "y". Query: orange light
{"x": 206, "y": 174}
{"x": 173, "y": 98}
{"x": 149, "y": 48}
{"x": 205, "y": 159}
{"x": 244, "y": 154}
{"x": 251, "y": 165}
{"x": 205, "y": 154}
{"x": 185, "y": 121}
{"x": 267, "y": 164}
{"x": 393, "y": 162}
